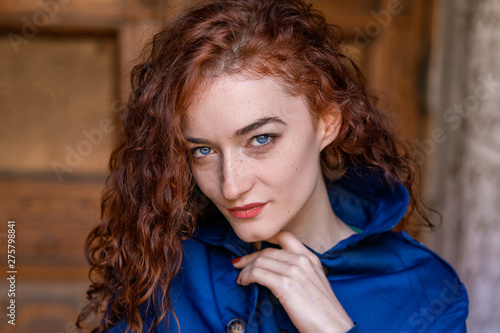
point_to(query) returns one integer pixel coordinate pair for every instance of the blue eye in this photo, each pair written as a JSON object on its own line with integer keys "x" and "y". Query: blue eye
{"x": 205, "y": 150}
{"x": 262, "y": 139}
{"x": 201, "y": 151}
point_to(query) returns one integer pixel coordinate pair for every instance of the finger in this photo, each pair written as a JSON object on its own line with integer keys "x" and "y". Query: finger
{"x": 305, "y": 258}
{"x": 250, "y": 273}
{"x": 277, "y": 254}
{"x": 281, "y": 262}
{"x": 281, "y": 278}
{"x": 260, "y": 276}
{"x": 291, "y": 269}
{"x": 288, "y": 242}
{"x": 279, "y": 284}
{"x": 295, "y": 266}
{"x": 269, "y": 252}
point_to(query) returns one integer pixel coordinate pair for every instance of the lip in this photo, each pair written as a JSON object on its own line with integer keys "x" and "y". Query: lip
{"x": 248, "y": 211}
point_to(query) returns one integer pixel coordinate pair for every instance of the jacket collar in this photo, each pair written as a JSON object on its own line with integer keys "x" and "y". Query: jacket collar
{"x": 361, "y": 198}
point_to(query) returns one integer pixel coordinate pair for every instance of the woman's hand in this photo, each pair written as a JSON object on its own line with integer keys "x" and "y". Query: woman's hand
{"x": 295, "y": 276}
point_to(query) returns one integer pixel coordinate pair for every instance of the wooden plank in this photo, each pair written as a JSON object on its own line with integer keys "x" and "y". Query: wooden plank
{"x": 52, "y": 220}
{"x": 41, "y": 307}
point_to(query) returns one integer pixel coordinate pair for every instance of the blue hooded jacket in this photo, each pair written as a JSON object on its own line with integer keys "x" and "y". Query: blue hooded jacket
{"x": 386, "y": 281}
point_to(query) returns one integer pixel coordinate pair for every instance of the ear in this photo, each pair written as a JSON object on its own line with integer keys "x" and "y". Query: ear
{"x": 329, "y": 127}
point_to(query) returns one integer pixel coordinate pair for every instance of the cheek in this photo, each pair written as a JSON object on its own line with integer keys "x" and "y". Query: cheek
{"x": 296, "y": 166}
{"x": 206, "y": 179}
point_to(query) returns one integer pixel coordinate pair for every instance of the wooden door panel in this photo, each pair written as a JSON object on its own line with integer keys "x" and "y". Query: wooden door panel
{"x": 53, "y": 217}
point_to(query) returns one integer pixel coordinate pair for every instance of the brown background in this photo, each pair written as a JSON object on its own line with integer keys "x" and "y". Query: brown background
{"x": 64, "y": 71}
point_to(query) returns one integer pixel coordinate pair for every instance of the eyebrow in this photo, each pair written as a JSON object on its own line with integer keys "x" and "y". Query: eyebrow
{"x": 247, "y": 129}
{"x": 257, "y": 124}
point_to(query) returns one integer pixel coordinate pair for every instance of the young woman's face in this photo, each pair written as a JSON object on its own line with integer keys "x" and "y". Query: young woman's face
{"x": 256, "y": 155}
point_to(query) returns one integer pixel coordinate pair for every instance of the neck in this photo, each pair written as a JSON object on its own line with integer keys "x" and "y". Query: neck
{"x": 317, "y": 226}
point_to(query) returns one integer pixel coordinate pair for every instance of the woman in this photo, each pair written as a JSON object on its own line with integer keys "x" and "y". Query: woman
{"x": 256, "y": 188}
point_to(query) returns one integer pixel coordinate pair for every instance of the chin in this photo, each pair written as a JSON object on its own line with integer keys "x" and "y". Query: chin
{"x": 251, "y": 237}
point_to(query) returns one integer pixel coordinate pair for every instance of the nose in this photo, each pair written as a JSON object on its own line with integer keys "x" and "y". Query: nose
{"x": 236, "y": 178}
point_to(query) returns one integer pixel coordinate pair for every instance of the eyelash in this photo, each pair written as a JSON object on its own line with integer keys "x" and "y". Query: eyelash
{"x": 271, "y": 140}
{"x": 271, "y": 137}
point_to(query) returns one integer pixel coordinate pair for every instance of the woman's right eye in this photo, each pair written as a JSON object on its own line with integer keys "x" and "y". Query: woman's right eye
{"x": 201, "y": 151}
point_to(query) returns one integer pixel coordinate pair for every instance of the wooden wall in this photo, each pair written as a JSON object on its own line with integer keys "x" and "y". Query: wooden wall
{"x": 64, "y": 71}
{"x": 465, "y": 184}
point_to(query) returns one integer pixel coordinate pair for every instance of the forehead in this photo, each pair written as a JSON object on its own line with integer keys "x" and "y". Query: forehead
{"x": 229, "y": 102}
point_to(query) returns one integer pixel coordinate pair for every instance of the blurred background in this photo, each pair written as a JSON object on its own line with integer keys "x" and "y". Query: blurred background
{"x": 64, "y": 71}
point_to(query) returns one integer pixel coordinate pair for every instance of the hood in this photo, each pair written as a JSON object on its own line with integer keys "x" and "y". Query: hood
{"x": 361, "y": 198}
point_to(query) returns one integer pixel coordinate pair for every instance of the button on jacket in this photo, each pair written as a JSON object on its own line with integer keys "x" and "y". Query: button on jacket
{"x": 386, "y": 281}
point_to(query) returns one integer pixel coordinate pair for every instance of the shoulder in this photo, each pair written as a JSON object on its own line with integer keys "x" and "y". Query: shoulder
{"x": 400, "y": 285}
{"x": 415, "y": 256}
{"x": 442, "y": 297}
{"x": 405, "y": 254}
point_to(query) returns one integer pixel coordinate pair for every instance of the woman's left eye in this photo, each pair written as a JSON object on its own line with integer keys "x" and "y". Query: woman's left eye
{"x": 260, "y": 140}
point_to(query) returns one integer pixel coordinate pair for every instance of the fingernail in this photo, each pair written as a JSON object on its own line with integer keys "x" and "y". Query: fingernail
{"x": 237, "y": 276}
{"x": 235, "y": 260}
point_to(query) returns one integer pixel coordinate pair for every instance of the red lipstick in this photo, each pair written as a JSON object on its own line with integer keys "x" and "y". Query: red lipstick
{"x": 247, "y": 211}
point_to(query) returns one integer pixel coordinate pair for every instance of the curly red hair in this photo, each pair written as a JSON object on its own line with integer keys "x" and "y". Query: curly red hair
{"x": 148, "y": 206}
